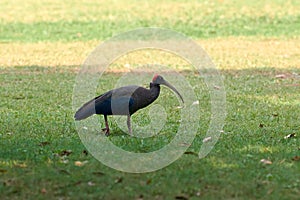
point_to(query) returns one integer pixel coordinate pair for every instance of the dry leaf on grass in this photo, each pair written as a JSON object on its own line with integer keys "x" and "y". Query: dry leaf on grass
{"x": 21, "y": 165}
{"x": 98, "y": 173}
{"x": 190, "y": 153}
{"x": 296, "y": 158}
{"x": 148, "y": 181}
{"x": 44, "y": 143}
{"x": 90, "y": 183}
{"x": 65, "y": 153}
{"x": 195, "y": 103}
{"x": 80, "y": 164}
{"x": 184, "y": 144}
{"x": 65, "y": 161}
{"x": 207, "y": 139}
{"x": 119, "y": 180}
{"x": 181, "y": 197}
{"x": 217, "y": 87}
{"x": 266, "y": 161}
{"x": 290, "y": 136}
{"x": 281, "y": 76}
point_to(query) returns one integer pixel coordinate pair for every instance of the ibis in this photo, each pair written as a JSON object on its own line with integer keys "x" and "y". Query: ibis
{"x": 123, "y": 101}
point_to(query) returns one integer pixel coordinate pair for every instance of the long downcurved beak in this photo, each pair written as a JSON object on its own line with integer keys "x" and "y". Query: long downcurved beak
{"x": 172, "y": 88}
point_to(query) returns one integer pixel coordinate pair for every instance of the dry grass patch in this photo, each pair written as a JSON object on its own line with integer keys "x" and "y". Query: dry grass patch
{"x": 228, "y": 54}
{"x": 34, "y": 11}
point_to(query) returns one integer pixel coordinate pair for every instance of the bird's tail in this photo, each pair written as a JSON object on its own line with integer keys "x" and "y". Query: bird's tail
{"x": 86, "y": 110}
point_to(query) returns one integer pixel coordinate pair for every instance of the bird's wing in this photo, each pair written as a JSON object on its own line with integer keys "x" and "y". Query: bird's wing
{"x": 119, "y": 101}
{"x": 119, "y": 93}
{"x": 120, "y": 96}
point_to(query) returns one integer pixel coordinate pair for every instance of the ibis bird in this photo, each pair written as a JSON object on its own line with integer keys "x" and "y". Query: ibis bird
{"x": 123, "y": 101}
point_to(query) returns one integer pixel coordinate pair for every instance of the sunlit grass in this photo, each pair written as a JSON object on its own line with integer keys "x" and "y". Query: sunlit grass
{"x": 227, "y": 54}
{"x": 187, "y": 11}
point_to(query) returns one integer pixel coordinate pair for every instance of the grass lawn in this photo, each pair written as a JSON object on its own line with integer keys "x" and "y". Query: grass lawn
{"x": 254, "y": 44}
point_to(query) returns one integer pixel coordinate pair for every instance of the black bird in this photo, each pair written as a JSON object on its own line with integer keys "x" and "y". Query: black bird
{"x": 123, "y": 101}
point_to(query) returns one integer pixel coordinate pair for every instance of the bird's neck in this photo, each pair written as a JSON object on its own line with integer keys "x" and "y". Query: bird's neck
{"x": 154, "y": 91}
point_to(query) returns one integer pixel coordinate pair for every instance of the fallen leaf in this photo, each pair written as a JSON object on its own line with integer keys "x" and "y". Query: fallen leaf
{"x": 290, "y": 136}
{"x": 63, "y": 171}
{"x": 296, "y": 158}
{"x": 9, "y": 182}
{"x": 65, "y": 153}
{"x": 44, "y": 191}
{"x": 207, "y": 139}
{"x": 181, "y": 198}
{"x": 266, "y": 162}
{"x": 44, "y": 143}
{"x": 282, "y": 161}
{"x": 296, "y": 75}
{"x": 195, "y": 103}
{"x": 80, "y": 164}
{"x": 217, "y": 87}
{"x": 292, "y": 85}
{"x": 281, "y": 76}
{"x": 90, "y": 183}
{"x": 184, "y": 144}
{"x": 78, "y": 183}
{"x": 21, "y": 165}
{"x": 141, "y": 197}
{"x": 98, "y": 173}
{"x": 148, "y": 181}
{"x": 119, "y": 180}
{"x": 65, "y": 161}
{"x": 270, "y": 191}
{"x": 190, "y": 153}
{"x": 18, "y": 97}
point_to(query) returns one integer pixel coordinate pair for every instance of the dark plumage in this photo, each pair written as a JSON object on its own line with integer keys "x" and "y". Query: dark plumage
{"x": 123, "y": 101}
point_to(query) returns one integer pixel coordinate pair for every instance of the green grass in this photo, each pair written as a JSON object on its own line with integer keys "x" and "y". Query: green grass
{"x": 60, "y": 21}
{"x": 37, "y": 126}
{"x": 263, "y": 26}
{"x": 256, "y": 40}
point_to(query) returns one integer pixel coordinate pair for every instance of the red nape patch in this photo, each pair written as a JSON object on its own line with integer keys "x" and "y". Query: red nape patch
{"x": 155, "y": 77}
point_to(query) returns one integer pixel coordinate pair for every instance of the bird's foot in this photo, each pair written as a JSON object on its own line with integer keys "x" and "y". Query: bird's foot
{"x": 106, "y": 130}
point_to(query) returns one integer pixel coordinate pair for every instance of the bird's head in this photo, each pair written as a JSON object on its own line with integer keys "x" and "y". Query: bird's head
{"x": 159, "y": 80}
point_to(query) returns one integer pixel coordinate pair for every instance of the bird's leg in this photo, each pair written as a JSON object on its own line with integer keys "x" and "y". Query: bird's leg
{"x": 106, "y": 129}
{"x": 129, "y": 125}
